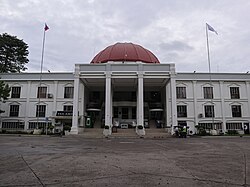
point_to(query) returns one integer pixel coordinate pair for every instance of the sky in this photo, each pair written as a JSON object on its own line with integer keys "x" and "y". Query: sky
{"x": 174, "y": 30}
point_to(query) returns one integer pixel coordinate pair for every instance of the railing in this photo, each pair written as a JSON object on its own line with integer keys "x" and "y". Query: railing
{"x": 155, "y": 105}
{"x": 93, "y": 105}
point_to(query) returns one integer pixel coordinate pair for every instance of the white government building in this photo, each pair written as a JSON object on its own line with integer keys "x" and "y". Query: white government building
{"x": 125, "y": 85}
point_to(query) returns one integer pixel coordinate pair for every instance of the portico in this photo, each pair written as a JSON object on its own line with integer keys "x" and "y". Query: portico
{"x": 124, "y": 87}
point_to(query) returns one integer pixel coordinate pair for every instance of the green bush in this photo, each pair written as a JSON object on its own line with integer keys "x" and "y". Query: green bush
{"x": 201, "y": 131}
{"x": 232, "y": 132}
{"x": 66, "y": 128}
{"x": 3, "y": 131}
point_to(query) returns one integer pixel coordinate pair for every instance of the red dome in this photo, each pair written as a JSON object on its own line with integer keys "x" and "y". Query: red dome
{"x": 125, "y": 52}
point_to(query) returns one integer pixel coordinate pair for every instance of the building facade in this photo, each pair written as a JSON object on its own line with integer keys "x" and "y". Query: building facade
{"x": 126, "y": 86}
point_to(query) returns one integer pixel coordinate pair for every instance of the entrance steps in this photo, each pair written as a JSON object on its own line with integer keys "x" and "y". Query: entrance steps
{"x": 152, "y": 133}
{"x": 98, "y": 133}
{"x": 157, "y": 133}
{"x": 122, "y": 133}
{"x": 92, "y": 133}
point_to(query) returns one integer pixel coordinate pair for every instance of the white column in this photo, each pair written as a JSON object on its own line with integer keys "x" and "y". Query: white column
{"x": 108, "y": 115}
{"x": 167, "y": 105}
{"x": 196, "y": 113}
{"x": 111, "y": 104}
{"x": 137, "y": 106}
{"x": 54, "y": 107}
{"x": 173, "y": 102}
{"x": 74, "y": 128}
{"x": 140, "y": 100}
{"x": 248, "y": 95}
{"x": 222, "y": 107}
{"x": 55, "y": 96}
{"x": 140, "y": 107}
{"x": 108, "y": 101}
{"x": 27, "y": 107}
{"x": 82, "y": 105}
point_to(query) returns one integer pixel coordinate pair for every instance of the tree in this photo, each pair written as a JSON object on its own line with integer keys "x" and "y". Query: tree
{"x": 13, "y": 54}
{"x": 4, "y": 91}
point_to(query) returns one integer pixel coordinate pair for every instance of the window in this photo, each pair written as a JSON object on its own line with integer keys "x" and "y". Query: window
{"x": 124, "y": 113}
{"x": 208, "y": 92}
{"x": 133, "y": 96}
{"x": 41, "y": 92}
{"x": 236, "y": 110}
{"x": 40, "y": 125}
{"x": 40, "y": 110}
{"x": 12, "y": 125}
{"x": 96, "y": 96}
{"x": 209, "y": 111}
{"x": 234, "y": 92}
{"x": 68, "y": 92}
{"x": 234, "y": 126}
{"x": 15, "y": 92}
{"x": 182, "y": 111}
{"x": 134, "y": 113}
{"x": 115, "y": 112}
{"x": 14, "y": 110}
{"x": 209, "y": 126}
{"x": 181, "y": 92}
{"x": 182, "y": 123}
{"x": 68, "y": 108}
{"x": 155, "y": 96}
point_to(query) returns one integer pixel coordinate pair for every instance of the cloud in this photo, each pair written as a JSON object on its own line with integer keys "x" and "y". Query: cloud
{"x": 173, "y": 30}
{"x": 175, "y": 46}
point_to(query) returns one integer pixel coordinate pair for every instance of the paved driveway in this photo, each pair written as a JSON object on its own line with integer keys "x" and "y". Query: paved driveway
{"x": 74, "y": 161}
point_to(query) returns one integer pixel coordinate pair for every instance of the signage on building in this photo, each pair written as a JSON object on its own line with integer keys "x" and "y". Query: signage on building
{"x": 64, "y": 113}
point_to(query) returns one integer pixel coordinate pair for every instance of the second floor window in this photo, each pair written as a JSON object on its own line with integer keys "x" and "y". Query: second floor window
{"x": 40, "y": 110}
{"x": 236, "y": 110}
{"x": 14, "y": 110}
{"x": 15, "y": 92}
{"x": 68, "y": 108}
{"x": 182, "y": 111}
{"x": 68, "y": 92}
{"x": 181, "y": 92}
{"x": 234, "y": 92}
{"x": 209, "y": 111}
{"x": 208, "y": 92}
{"x": 115, "y": 111}
{"x": 41, "y": 92}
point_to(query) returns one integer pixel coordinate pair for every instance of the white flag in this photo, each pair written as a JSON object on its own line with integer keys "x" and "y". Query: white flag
{"x": 211, "y": 28}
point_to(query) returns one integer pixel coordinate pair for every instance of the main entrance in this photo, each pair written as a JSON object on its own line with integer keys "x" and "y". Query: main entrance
{"x": 133, "y": 94}
{"x": 124, "y": 116}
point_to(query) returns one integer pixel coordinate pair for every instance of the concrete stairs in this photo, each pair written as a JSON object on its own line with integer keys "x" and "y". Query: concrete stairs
{"x": 152, "y": 133}
{"x": 124, "y": 133}
{"x": 157, "y": 133}
{"x": 98, "y": 133}
{"x": 92, "y": 133}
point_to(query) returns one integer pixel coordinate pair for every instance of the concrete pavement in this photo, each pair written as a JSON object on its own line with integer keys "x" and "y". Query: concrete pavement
{"x": 75, "y": 161}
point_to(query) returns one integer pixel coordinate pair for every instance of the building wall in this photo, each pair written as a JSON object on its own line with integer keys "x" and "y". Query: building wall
{"x": 222, "y": 101}
{"x": 28, "y": 97}
{"x": 194, "y": 101}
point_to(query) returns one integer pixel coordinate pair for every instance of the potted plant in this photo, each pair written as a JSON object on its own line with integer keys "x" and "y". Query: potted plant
{"x": 66, "y": 129}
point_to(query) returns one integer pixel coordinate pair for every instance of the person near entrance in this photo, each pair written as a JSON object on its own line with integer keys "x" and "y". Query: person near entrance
{"x": 183, "y": 132}
{"x": 176, "y": 131}
{"x": 246, "y": 128}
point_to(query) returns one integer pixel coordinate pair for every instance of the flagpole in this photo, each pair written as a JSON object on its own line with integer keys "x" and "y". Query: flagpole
{"x": 40, "y": 80}
{"x": 42, "y": 55}
{"x": 209, "y": 71}
{"x": 208, "y": 53}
